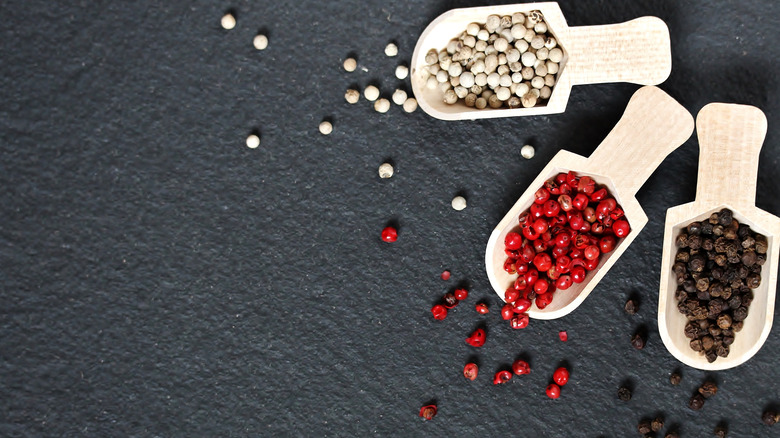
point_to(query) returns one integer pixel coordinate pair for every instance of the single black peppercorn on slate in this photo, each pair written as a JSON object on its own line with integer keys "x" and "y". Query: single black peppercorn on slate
{"x": 624, "y": 394}
{"x": 717, "y": 265}
{"x": 675, "y": 379}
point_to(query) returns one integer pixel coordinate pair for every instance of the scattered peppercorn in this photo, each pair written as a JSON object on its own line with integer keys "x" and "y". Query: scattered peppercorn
{"x": 477, "y": 338}
{"x": 708, "y": 389}
{"x": 458, "y": 203}
{"x": 389, "y": 234}
{"x": 371, "y": 93}
{"x": 228, "y": 21}
{"x": 521, "y": 367}
{"x": 553, "y": 391}
{"x": 561, "y": 376}
{"x": 410, "y": 105}
{"x": 260, "y": 42}
{"x": 352, "y": 96}
{"x": 350, "y": 64}
{"x": 657, "y": 424}
{"x": 382, "y": 105}
{"x": 675, "y": 378}
{"x": 470, "y": 371}
{"x": 770, "y": 417}
{"x": 631, "y": 307}
{"x": 428, "y": 412}
{"x": 644, "y": 427}
{"x": 624, "y": 394}
{"x": 439, "y": 312}
{"x": 638, "y": 341}
{"x": 696, "y": 402}
{"x": 721, "y": 431}
{"x": 391, "y": 50}
{"x": 326, "y": 127}
{"x": 252, "y": 141}
{"x": 482, "y": 308}
{"x": 445, "y": 275}
{"x": 527, "y": 152}
{"x": 671, "y": 434}
{"x": 502, "y": 377}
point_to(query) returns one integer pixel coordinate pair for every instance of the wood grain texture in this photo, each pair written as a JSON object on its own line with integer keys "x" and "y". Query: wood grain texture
{"x": 730, "y": 141}
{"x": 653, "y": 126}
{"x": 637, "y": 51}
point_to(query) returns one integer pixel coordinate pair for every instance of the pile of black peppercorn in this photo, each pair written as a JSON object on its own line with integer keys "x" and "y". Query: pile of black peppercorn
{"x": 717, "y": 265}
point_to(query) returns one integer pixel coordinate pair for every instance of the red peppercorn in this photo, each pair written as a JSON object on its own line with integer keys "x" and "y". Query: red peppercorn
{"x": 616, "y": 214}
{"x": 541, "y": 285}
{"x": 520, "y": 321}
{"x": 562, "y": 239}
{"x": 597, "y": 228}
{"x": 445, "y": 275}
{"x": 591, "y": 252}
{"x": 563, "y": 336}
{"x": 520, "y": 284}
{"x": 477, "y": 339}
{"x": 578, "y": 274}
{"x": 470, "y": 371}
{"x": 449, "y": 300}
{"x": 591, "y": 264}
{"x": 621, "y": 228}
{"x": 553, "y": 391}
{"x": 586, "y": 185}
{"x": 389, "y": 234}
{"x": 521, "y": 367}
{"x": 530, "y": 233}
{"x": 576, "y": 221}
{"x": 543, "y": 300}
{"x": 502, "y": 377}
{"x": 507, "y": 312}
{"x": 563, "y": 282}
{"x": 513, "y": 241}
{"x": 599, "y": 194}
{"x": 572, "y": 179}
{"x": 589, "y": 214}
{"x": 553, "y": 273}
{"x": 461, "y": 294}
{"x": 531, "y": 276}
{"x": 560, "y": 251}
{"x": 439, "y": 312}
{"x": 551, "y": 208}
{"x": 565, "y": 202}
{"x": 580, "y": 201}
{"x": 607, "y": 244}
{"x": 605, "y": 207}
{"x": 428, "y": 412}
{"x": 561, "y": 178}
{"x": 561, "y": 376}
{"x": 536, "y": 211}
{"x": 539, "y": 245}
{"x": 482, "y": 308}
{"x": 523, "y": 217}
{"x": 509, "y": 266}
{"x": 521, "y": 267}
{"x": 565, "y": 189}
{"x": 540, "y": 226}
{"x": 542, "y": 261}
{"x": 541, "y": 196}
{"x": 527, "y": 252}
{"x": 511, "y": 294}
{"x": 522, "y": 305}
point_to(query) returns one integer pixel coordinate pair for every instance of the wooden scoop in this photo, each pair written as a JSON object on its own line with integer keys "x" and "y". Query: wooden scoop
{"x": 730, "y": 139}
{"x": 636, "y": 51}
{"x": 653, "y": 126}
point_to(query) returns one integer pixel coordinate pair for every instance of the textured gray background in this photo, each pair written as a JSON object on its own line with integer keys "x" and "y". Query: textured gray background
{"x": 161, "y": 279}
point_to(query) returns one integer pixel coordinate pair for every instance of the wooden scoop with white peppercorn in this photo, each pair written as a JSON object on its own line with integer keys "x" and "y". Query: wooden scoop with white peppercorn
{"x": 637, "y": 51}
{"x": 652, "y": 126}
{"x": 730, "y": 140}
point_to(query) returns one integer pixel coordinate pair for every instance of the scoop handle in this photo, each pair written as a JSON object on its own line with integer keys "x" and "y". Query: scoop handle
{"x": 636, "y": 51}
{"x": 652, "y": 127}
{"x": 730, "y": 140}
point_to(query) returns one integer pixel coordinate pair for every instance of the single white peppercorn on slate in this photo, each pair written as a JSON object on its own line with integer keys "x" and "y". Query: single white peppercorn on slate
{"x": 352, "y": 96}
{"x": 410, "y": 105}
{"x": 399, "y": 97}
{"x": 391, "y": 50}
{"x": 371, "y": 93}
{"x": 326, "y": 127}
{"x": 252, "y": 141}
{"x": 385, "y": 170}
{"x": 459, "y": 203}
{"x": 382, "y": 105}
{"x": 350, "y": 64}
{"x": 401, "y": 72}
{"x": 527, "y": 151}
{"x": 260, "y": 42}
{"x": 228, "y": 21}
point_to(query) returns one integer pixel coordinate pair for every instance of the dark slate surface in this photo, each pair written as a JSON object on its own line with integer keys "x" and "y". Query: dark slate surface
{"x": 161, "y": 279}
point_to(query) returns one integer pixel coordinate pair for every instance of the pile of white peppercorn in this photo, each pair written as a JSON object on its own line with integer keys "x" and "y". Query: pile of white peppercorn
{"x": 508, "y": 61}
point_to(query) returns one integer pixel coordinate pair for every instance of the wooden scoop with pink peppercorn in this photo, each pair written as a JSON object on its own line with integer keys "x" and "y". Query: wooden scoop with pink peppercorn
{"x": 730, "y": 140}
{"x": 652, "y": 126}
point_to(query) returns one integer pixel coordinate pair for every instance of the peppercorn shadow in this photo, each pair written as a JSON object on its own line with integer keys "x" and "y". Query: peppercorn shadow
{"x": 264, "y": 30}
{"x": 461, "y": 284}
{"x": 526, "y": 357}
{"x": 475, "y": 359}
{"x": 628, "y": 383}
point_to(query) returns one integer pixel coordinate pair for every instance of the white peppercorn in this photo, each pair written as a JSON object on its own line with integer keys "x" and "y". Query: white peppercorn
{"x": 537, "y": 42}
{"x": 352, "y": 96}
{"x": 549, "y": 80}
{"x": 444, "y": 86}
{"x": 433, "y": 68}
{"x": 541, "y": 70}
{"x": 490, "y": 50}
{"x": 517, "y": 31}
{"x": 467, "y": 79}
{"x": 401, "y": 72}
{"x": 391, "y": 49}
{"x": 506, "y": 22}
{"x": 492, "y": 22}
{"x": 522, "y": 89}
{"x": 442, "y": 76}
{"x": 458, "y": 203}
{"x": 515, "y": 66}
{"x": 552, "y": 67}
{"x": 399, "y": 97}
{"x": 444, "y": 63}
{"x": 528, "y": 59}
{"x": 454, "y": 81}
{"x": 472, "y": 29}
{"x": 555, "y": 55}
{"x": 545, "y": 92}
{"x": 542, "y": 54}
{"x": 495, "y": 102}
{"x": 469, "y": 41}
{"x": 522, "y": 46}
{"x": 431, "y": 83}
{"x": 410, "y": 105}
{"x": 260, "y": 42}
{"x": 503, "y": 93}
{"x": 450, "y": 97}
{"x": 527, "y": 73}
{"x": 518, "y": 18}
{"x": 535, "y": 92}
{"x": 480, "y": 103}
{"x": 512, "y": 55}
{"x": 528, "y": 100}
{"x": 453, "y": 46}
{"x": 326, "y": 127}
{"x": 480, "y": 79}
{"x": 514, "y": 102}
{"x": 505, "y": 80}
{"x": 431, "y": 57}
{"x": 493, "y": 80}
{"x": 476, "y": 89}
{"x": 507, "y": 35}
{"x": 252, "y": 141}
{"x": 540, "y": 27}
{"x": 487, "y": 93}
{"x": 350, "y": 64}
{"x": 501, "y": 44}
{"x": 385, "y": 170}
{"x": 550, "y": 43}
{"x": 478, "y": 66}
{"x": 502, "y": 70}
{"x": 502, "y": 59}
{"x": 455, "y": 69}
{"x": 480, "y": 46}
{"x": 491, "y": 63}
{"x": 527, "y": 151}
{"x": 529, "y": 35}
{"x": 537, "y": 82}
{"x": 461, "y": 91}
{"x": 382, "y": 105}
{"x": 228, "y": 21}
{"x": 470, "y": 99}
{"x": 483, "y": 35}
{"x": 517, "y": 77}
{"x": 371, "y": 93}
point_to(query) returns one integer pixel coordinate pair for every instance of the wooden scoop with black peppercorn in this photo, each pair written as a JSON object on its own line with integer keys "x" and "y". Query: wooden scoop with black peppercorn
{"x": 720, "y": 254}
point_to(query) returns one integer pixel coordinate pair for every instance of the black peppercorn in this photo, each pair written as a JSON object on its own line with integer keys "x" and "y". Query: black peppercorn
{"x": 753, "y": 281}
{"x": 624, "y": 394}
{"x": 724, "y": 321}
{"x": 696, "y": 345}
{"x": 671, "y": 434}
{"x": 691, "y": 330}
{"x": 725, "y": 217}
{"x": 644, "y": 427}
{"x": 761, "y": 244}
{"x": 710, "y": 356}
{"x": 682, "y": 240}
{"x": 631, "y": 307}
{"x": 696, "y": 402}
{"x": 657, "y": 424}
{"x": 708, "y": 389}
{"x": 720, "y": 431}
{"x": 770, "y": 417}
{"x": 713, "y": 218}
{"x": 638, "y": 341}
{"x": 675, "y": 378}
{"x": 696, "y": 264}
{"x": 740, "y": 314}
{"x": 694, "y": 228}
{"x": 724, "y": 350}
{"x": 706, "y": 228}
